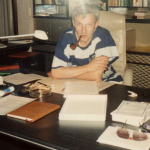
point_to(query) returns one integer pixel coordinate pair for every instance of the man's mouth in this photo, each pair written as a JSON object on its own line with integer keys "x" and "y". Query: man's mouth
{"x": 83, "y": 36}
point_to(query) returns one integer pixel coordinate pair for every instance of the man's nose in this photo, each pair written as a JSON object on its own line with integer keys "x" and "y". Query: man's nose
{"x": 83, "y": 29}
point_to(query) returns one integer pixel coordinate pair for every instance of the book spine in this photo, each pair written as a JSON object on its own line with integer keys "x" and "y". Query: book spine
{"x": 145, "y": 3}
{"x": 128, "y": 3}
{"x": 148, "y": 3}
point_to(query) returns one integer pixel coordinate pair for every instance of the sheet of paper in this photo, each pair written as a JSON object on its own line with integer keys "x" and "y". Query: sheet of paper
{"x": 132, "y": 108}
{"x": 11, "y": 102}
{"x": 59, "y": 84}
{"x": 81, "y": 88}
{"x": 110, "y": 137}
{"x": 103, "y": 85}
{"x": 20, "y": 78}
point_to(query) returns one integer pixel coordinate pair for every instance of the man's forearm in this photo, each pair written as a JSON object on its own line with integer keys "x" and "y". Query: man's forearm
{"x": 68, "y": 72}
{"x": 94, "y": 68}
{"x": 91, "y": 76}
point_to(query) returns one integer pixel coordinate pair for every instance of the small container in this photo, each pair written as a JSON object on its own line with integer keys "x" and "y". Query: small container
{"x": 40, "y": 91}
{"x": 7, "y": 91}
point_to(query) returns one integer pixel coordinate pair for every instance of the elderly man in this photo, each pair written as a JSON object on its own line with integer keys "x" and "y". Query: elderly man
{"x": 93, "y": 57}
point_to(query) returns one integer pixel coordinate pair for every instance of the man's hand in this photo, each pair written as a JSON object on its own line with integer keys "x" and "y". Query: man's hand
{"x": 98, "y": 63}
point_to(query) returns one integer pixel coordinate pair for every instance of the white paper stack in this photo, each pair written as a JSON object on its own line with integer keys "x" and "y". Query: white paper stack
{"x": 20, "y": 78}
{"x": 133, "y": 113}
{"x": 84, "y": 108}
{"x": 11, "y": 102}
{"x": 81, "y": 88}
{"x": 109, "y": 136}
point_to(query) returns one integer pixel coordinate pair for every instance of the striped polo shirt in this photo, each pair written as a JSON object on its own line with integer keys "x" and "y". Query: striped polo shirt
{"x": 102, "y": 43}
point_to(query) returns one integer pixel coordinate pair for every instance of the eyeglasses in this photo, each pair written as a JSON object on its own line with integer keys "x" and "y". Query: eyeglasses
{"x": 135, "y": 135}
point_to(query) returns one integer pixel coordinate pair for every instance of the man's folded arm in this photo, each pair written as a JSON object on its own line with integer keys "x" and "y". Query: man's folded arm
{"x": 91, "y": 76}
{"x": 91, "y": 71}
{"x": 75, "y": 72}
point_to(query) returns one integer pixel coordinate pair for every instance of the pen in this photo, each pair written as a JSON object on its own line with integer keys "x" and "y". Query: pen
{"x": 63, "y": 89}
{"x": 42, "y": 83}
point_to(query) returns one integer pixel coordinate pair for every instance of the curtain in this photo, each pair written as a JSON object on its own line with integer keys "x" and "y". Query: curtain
{"x": 6, "y": 18}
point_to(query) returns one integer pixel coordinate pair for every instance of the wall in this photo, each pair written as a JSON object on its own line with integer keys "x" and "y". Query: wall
{"x": 142, "y": 33}
{"x": 25, "y": 16}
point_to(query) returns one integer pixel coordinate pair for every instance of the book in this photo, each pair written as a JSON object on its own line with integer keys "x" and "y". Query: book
{"x": 143, "y": 17}
{"x": 38, "y": 2}
{"x": 145, "y": 3}
{"x": 48, "y": 1}
{"x": 142, "y": 13}
{"x": 33, "y": 111}
{"x": 84, "y": 108}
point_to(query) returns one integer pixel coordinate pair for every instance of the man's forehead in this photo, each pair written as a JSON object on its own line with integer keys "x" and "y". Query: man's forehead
{"x": 81, "y": 17}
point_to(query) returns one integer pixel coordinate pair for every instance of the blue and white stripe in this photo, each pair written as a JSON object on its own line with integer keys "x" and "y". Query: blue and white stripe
{"x": 102, "y": 43}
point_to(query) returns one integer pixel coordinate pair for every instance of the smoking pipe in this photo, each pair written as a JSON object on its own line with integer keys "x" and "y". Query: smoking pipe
{"x": 73, "y": 46}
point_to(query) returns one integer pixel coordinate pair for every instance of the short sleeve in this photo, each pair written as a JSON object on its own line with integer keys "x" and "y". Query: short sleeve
{"x": 107, "y": 47}
{"x": 60, "y": 58}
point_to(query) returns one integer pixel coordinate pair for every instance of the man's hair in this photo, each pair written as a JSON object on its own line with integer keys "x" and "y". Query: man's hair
{"x": 84, "y": 10}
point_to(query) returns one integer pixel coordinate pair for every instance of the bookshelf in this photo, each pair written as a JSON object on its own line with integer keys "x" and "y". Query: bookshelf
{"x": 51, "y": 8}
{"x": 128, "y": 8}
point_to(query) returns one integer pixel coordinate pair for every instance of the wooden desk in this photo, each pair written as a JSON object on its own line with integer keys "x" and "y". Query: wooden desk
{"x": 50, "y": 133}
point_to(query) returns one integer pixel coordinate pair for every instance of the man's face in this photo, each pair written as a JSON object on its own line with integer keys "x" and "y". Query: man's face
{"x": 85, "y": 27}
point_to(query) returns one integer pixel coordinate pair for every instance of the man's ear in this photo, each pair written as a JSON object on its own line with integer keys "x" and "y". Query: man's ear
{"x": 97, "y": 24}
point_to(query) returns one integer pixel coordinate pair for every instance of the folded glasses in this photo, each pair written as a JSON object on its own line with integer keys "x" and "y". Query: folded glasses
{"x": 135, "y": 135}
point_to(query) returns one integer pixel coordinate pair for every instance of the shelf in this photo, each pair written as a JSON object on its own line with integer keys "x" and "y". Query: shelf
{"x": 51, "y": 4}
{"x": 126, "y": 7}
{"x": 138, "y": 21}
{"x": 52, "y": 17}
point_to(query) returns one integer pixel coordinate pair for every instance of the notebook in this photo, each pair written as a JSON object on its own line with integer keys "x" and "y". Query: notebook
{"x": 33, "y": 111}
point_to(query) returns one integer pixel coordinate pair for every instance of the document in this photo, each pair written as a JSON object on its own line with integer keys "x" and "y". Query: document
{"x": 58, "y": 85}
{"x": 134, "y": 113}
{"x": 11, "y": 102}
{"x": 81, "y": 88}
{"x": 110, "y": 137}
{"x": 20, "y": 78}
{"x": 130, "y": 108}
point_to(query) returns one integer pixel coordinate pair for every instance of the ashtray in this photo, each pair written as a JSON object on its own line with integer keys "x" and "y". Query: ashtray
{"x": 40, "y": 91}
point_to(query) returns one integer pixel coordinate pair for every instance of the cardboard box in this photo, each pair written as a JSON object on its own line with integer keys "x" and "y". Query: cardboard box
{"x": 130, "y": 39}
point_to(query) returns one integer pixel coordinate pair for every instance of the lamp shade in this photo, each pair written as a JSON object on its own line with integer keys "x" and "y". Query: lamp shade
{"x": 40, "y": 35}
